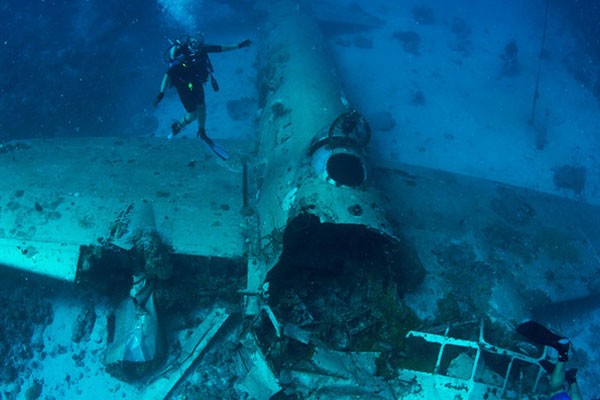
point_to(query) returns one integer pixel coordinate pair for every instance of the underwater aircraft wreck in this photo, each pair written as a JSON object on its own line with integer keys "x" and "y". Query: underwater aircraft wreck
{"x": 344, "y": 270}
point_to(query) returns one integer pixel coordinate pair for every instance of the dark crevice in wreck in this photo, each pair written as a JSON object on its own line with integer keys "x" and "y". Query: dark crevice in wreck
{"x": 344, "y": 284}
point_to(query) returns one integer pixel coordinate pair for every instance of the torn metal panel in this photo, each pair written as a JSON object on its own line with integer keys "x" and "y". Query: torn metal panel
{"x": 192, "y": 348}
{"x": 137, "y": 345}
{"x": 257, "y": 380}
{"x": 296, "y": 333}
{"x": 333, "y": 374}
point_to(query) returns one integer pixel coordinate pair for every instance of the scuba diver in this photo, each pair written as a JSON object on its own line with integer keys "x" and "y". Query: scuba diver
{"x": 189, "y": 69}
{"x": 560, "y": 377}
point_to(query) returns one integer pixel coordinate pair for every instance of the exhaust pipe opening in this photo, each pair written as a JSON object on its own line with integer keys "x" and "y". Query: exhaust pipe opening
{"x": 346, "y": 169}
{"x": 337, "y": 154}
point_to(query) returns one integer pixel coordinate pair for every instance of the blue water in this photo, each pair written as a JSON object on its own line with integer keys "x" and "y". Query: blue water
{"x": 92, "y": 68}
{"x": 86, "y": 68}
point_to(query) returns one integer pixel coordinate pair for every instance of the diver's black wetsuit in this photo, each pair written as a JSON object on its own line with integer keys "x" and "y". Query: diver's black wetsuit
{"x": 189, "y": 76}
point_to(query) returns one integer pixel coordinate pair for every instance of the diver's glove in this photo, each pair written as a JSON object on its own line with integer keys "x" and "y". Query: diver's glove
{"x": 158, "y": 98}
{"x": 245, "y": 43}
{"x": 214, "y": 83}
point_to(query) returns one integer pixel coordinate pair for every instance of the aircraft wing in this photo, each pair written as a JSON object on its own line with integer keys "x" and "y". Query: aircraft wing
{"x": 57, "y": 195}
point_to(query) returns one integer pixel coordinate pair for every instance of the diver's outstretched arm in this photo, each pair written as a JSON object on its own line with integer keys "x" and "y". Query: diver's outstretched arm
{"x": 240, "y": 45}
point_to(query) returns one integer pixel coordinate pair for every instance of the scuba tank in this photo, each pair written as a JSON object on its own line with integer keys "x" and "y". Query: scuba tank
{"x": 188, "y": 51}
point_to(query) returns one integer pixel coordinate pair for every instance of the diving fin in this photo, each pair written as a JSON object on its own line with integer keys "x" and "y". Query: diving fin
{"x": 215, "y": 148}
{"x": 538, "y": 334}
{"x": 218, "y": 150}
